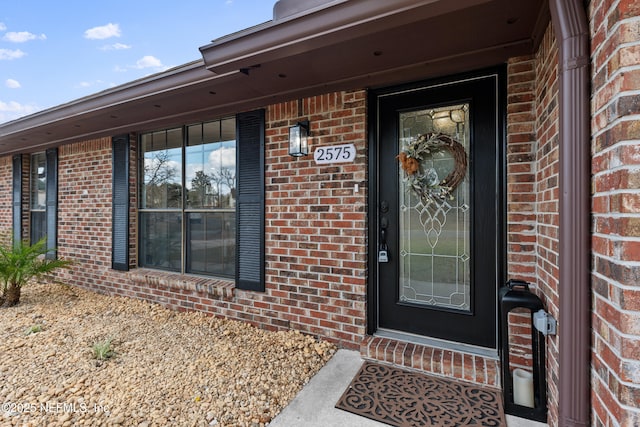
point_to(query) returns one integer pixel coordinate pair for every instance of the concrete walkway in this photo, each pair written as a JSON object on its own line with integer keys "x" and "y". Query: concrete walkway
{"x": 314, "y": 405}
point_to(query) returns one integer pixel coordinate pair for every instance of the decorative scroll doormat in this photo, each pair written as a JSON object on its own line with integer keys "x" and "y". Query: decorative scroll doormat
{"x": 403, "y": 398}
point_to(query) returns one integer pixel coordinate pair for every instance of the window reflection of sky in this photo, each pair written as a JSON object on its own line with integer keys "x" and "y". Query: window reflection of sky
{"x": 212, "y": 159}
{"x": 209, "y": 158}
{"x": 199, "y": 159}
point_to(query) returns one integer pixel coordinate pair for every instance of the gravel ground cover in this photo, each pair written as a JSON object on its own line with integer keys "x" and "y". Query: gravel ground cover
{"x": 167, "y": 368}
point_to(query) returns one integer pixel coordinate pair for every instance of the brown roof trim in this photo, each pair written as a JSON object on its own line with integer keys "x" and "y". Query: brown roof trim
{"x": 169, "y": 80}
{"x": 313, "y": 46}
{"x": 317, "y": 27}
{"x": 285, "y": 8}
{"x": 572, "y": 33}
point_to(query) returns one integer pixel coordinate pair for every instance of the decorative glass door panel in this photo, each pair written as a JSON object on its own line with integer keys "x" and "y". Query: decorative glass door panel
{"x": 434, "y": 234}
{"x": 438, "y": 212}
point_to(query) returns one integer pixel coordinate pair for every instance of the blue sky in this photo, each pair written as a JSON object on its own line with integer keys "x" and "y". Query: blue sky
{"x": 55, "y": 51}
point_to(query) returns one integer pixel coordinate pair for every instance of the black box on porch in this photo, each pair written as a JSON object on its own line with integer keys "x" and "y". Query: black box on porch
{"x": 525, "y": 392}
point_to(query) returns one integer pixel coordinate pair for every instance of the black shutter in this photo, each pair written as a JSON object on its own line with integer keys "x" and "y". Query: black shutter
{"x": 120, "y": 203}
{"x": 250, "y": 129}
{"x": 52, "y": 201}
{"x": 17, "y": 198}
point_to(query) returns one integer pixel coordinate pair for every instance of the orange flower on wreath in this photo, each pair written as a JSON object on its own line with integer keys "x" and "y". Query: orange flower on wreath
{"x": 409, "y": 164}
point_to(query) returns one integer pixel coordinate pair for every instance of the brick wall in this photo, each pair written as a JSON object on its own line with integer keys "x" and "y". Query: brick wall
{"x": 84, "y": 215}
{"x": 532, "y": 198}
{"x": 615, "y": 49}
{"x": 521, "y": 147}
{"x": 521, "y": 198}
{"x": 315, "y": 229}
{"x": 547, "y": 193}
{"x": 316, "y": 220}
{"x": 84, "y": 211}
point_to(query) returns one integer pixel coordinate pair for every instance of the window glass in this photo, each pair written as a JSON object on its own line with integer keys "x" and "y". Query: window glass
{"x": 211, "y": 175}
{"x": 212, "y": 243}
{"x": 38, "y": 197}
{"x": 201, "y": 159}
{"x": 162, "y": 181}
{"x": 38, "y": 181}
{"x": 211, "y": 132}
{"x": 161, "y": 245}
{"x": 228, "y": 129}
{"x": 194, "y": 134}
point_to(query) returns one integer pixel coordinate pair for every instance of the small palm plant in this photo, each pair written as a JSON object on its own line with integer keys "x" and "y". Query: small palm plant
{"x": 22, "y": 262}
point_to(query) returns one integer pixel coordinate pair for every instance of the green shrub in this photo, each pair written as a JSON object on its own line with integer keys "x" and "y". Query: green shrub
{"x": 21, "y": 262}
{"x": 102, "y": 349}
{"x": 33, "y": 329}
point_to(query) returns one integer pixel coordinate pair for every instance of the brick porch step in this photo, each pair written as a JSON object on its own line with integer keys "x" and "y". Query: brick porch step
{"x": 437, "y": 361}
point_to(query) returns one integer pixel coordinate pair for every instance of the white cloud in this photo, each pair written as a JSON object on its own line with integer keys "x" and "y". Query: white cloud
{"x": 103, "y": 32}
{"x": 222, "y": 158}
{"x": 12, "y": 110}
{"x": 2, "y": 26}
{"x": 148, "y": 62}
{"x": 86, "y": 84}
{"x": 116, "y": 46}
{"x": 218, "y": 160}
{"x": 8, "y": 54}
{"x": 12, "y": 84}
{"x": 22, "y": 36}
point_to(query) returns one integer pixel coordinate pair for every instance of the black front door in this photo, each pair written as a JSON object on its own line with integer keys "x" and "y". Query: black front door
{"x": 438, "y": 219}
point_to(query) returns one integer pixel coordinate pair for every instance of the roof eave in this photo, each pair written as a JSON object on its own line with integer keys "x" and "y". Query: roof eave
{"x": 319, "y": 27}
{"x": 145, "y": 87}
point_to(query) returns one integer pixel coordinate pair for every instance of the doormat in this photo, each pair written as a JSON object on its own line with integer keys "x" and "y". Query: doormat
{"x": 404, "y": 398}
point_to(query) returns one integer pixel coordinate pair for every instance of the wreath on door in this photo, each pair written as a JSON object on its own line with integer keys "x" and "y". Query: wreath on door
{"x": 424, "y": 182}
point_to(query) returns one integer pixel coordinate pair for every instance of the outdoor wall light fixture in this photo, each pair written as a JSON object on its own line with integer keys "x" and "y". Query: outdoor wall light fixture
{"x": 299, "y": 139}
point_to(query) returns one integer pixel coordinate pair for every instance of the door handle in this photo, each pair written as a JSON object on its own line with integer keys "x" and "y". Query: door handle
{"x": 384, "y": 223}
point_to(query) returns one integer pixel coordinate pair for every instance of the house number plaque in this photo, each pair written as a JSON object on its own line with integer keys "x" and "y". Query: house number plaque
{"x": 342, "y": 153}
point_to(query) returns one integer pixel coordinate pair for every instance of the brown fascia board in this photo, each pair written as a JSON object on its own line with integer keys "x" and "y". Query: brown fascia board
{"x": 318, "y": 27}
{"x": 146, "y": 87}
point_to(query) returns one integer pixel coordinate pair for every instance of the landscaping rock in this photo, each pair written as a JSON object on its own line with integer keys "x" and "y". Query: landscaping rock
{"x": 168, "y": 367}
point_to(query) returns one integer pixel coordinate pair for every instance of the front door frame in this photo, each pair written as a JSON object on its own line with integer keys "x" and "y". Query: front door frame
{"x": 373, "y": 188}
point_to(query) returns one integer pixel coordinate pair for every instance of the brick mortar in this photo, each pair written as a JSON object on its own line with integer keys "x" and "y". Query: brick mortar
{"x": 615, "y": 82}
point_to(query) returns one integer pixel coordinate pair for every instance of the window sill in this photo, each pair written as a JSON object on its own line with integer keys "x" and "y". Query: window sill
{"x": 215, "y": 288}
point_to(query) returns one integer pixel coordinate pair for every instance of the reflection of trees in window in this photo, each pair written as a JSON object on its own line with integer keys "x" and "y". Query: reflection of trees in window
{"x": 160, "y": 178}
{"x": 38, "y": 196}
{"x": 200, "y": 193}
{"x": 38, "y": 181}
{"x": 215, "y": 190}
{"x": 225, "y": 181}
{"x": 187, "y": 218}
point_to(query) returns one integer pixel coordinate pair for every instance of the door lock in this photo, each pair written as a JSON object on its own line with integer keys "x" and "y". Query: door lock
{"x": 383, "y": 251}
{"x": 383, "y": 254}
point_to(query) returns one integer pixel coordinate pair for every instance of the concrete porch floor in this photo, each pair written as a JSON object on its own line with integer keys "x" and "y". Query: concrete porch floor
{"x": 314, "y": 405}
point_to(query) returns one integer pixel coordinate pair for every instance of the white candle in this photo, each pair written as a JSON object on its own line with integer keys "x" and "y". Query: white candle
{"x": 523, "y": 388}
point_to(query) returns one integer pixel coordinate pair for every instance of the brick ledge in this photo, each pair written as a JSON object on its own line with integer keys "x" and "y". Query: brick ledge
{"x": 213, "y": 287}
